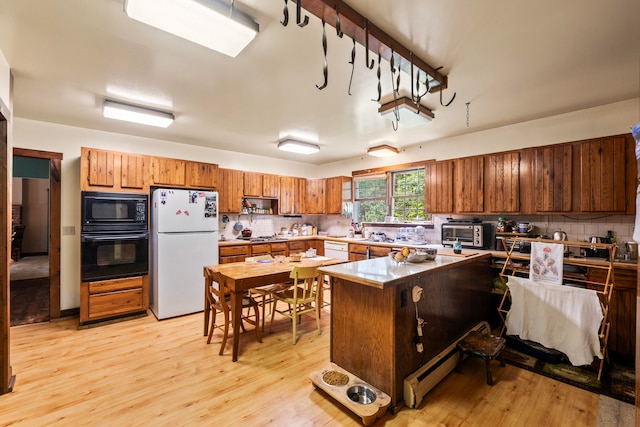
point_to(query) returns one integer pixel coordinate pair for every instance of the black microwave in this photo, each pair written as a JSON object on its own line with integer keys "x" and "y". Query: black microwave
{"x": 114, "y": 212}
{"x": 470, "y": 235}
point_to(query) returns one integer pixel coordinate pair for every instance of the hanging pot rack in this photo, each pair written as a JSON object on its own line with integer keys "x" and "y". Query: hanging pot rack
{"x": 356, "y": 26}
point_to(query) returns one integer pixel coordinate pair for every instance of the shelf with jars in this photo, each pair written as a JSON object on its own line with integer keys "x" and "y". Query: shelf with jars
{"x": 259, "y": 206}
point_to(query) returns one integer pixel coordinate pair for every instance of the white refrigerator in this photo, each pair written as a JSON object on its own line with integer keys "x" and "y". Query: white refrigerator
{"x": 184, "y": 238}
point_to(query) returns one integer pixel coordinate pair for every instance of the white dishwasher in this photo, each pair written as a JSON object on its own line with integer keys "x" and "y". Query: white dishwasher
{"x": 338, "y": 250}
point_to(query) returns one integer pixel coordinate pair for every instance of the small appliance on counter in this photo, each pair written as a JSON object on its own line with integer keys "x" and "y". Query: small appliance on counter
{"x": 470, "y": 233}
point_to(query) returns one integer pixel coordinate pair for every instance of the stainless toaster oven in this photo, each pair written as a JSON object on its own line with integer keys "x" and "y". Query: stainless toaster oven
{"x": 470, "y": 235}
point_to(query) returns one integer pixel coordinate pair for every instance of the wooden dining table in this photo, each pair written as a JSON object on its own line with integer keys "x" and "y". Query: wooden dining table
{"x": 240, "y": 277}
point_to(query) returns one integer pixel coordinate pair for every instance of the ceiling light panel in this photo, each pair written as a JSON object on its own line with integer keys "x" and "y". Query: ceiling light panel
{"x": 136, "y": 114}
{"x": 383, "y": 151}
{"x": 208, "y": 23}
{"x": 408, "y": 112}
{"x": 299, "y": 147}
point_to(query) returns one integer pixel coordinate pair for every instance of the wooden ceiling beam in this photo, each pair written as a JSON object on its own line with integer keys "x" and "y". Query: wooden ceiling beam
{"x": 353, "y": 25}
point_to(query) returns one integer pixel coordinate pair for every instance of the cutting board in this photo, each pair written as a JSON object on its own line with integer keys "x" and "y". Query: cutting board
{"x": 337, "y": 236}
{"x": 449, "y": 252}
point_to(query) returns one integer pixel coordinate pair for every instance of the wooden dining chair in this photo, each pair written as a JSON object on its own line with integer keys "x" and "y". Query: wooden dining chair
{"x": 218, "y": 299}
{"x": 301, "y": 298}
{"x": 266, "y": 291}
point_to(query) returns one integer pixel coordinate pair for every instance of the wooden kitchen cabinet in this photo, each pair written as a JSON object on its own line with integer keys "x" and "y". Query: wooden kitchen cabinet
{"x": 258, "y": 249}
{"x": 252, "y": 184}
{"x": 230, "y": 191}
{"x": 297, "y": 246}
{"x": 183, "y": 173}
{"x": 358, "y": 251}
{"x": 170, "y": 172}
{"x": 261, "y": 185}
{"x": 202, "y": 175}
{"x": 438, "y": 190}
{"x": 315, "y": 197}
{"x": 469, "y": 185}
{"x": 622, "y": 312}
{"x": 502, "y": 186}
{"x": 603, "y": 174}
{"x": 334, "y": 198}
{"x": 292, "y": 191}
{"x": 552, "y": 181}
{"x": 279, "y": 248}
{"x": 113, "y": 298}
{"x": 236, "y": 253}
{"x": 270, "y": 186}
{"x": 104, "y": 170}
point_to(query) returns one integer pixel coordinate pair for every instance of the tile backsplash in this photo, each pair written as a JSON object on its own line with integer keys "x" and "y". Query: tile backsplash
{"x": 578, "y": 228}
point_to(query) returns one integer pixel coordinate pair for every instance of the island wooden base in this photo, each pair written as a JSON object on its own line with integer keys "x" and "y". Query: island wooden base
{"x": 369, "y": 412}
{"x": 373, "y": 330}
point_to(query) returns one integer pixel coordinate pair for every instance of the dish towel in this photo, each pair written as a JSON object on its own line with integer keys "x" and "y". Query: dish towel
{"x": 565, "y": 318}
{"x": 546, "y": 262}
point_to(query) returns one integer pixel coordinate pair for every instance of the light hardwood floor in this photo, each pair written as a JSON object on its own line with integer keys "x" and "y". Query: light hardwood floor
{"x": 143, "y": 372}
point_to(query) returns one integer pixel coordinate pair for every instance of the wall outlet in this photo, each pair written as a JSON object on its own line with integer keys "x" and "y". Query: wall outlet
{"x": 69, "y": 230}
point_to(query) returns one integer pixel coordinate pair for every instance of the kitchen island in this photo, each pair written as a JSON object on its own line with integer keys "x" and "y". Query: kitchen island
{"x": 374, "y": 326}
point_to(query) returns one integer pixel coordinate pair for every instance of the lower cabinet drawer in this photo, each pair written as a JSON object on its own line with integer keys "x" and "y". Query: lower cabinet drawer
{"x": 115, "y": 303}
{"x": 115, "y": 285}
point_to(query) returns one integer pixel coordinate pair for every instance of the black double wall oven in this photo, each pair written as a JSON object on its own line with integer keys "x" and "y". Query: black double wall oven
{"x": 115, "y": 235}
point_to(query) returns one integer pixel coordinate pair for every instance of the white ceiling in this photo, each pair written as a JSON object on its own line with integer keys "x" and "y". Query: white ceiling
{"x": 512, "y": 61}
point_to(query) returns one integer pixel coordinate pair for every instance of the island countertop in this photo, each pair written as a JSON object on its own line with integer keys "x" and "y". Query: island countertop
{"x": 384, "y": 272}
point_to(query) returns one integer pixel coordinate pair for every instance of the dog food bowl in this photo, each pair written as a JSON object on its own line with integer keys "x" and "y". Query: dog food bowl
{"x": 361, "y": 394}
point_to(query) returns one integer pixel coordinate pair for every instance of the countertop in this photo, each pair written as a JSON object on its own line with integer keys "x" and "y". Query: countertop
{"x": 384, "y": 272}
{"x": 621, "y": 264}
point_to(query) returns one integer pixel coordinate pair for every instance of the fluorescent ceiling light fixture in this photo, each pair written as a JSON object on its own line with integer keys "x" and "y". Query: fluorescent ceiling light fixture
{"x": 408, "y": 112}
{"x": 210, "y": 23}
{"x": 132, "y": 113}
{"x": 298, "y": 146}
{"x": 383, "y": 151}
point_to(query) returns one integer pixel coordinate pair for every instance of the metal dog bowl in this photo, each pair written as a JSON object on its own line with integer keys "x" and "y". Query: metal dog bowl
{"x": 361, "y": 394}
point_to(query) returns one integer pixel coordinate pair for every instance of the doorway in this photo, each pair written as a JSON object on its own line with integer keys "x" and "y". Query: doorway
{"x": 35, "y": 253}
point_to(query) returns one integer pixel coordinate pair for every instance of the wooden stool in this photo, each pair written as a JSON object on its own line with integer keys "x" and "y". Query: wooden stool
{"x": 487, "y": 347}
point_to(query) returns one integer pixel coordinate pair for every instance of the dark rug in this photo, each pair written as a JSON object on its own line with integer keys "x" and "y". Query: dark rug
{"x": 618, "y": 381}
{"x": 29, "y": 301}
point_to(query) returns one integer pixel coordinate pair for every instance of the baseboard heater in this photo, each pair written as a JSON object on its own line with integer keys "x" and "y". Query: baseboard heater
{"x": 418, "y": 384}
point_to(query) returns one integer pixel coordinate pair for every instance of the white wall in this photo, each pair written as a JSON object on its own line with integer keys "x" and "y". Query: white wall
{"x": 601, "y": 121}
{"x": 606, "y": 120}
{"x": 5, "y": 81}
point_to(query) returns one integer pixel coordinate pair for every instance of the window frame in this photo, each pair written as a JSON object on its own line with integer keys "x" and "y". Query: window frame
{"x": 388, "y": 174}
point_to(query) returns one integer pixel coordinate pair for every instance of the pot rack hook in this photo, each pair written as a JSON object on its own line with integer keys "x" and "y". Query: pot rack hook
{"x": 301, "y": 23}
{"x": 338, "y": 24}
{"x": 379, "y": 84}
{"x": 366, "y": 46}
{"x": 325, "y": 67}
{"x": 353, "y": 64}
{"x": 285, "y": 14}
{"x": 450, "y": 101}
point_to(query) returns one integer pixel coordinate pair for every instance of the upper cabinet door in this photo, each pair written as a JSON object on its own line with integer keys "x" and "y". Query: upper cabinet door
{"x": 469, "y": 185}
{"x": 438, "y": 190}
{"x": 333, "y": 198}
{"x": 100, "y": 167}
{"x": 202, "y": 175}
{"x": 168, "y": 171}
{"x": 132, "y": 172}
{"x": 503, "y": 182}
{"x": 252, "y": 184}
{"x": 552, "y": 169}
{"x": 230, "y": 191}
{"x": 315, "y": 196}
{"x": 270, "y": 186}
{"x": 603, "y": 175}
